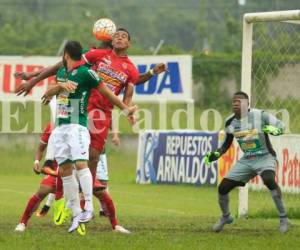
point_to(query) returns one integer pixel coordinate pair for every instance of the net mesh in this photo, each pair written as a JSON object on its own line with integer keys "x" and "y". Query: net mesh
{"x": 276, "y": 70}
{"x": 276, "y": 88}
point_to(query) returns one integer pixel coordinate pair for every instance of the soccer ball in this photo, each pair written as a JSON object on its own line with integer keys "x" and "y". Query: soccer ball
{"x": 104, "y": 29}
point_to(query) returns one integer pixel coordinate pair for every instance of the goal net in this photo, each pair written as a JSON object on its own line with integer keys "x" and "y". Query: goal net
{"x": 271, "y": 75}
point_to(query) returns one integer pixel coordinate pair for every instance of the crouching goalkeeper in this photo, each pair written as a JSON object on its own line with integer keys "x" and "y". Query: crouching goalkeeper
{"x": 251, "y": 128}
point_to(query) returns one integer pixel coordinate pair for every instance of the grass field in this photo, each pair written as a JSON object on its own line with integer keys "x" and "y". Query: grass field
{"x": 159, "y": 216}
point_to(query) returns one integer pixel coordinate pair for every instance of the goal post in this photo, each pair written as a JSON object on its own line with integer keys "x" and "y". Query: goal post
{"x": 267, "y": 72}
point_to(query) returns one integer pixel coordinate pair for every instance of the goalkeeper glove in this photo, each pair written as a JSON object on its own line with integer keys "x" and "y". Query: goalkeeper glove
{"x": 211, "y": 156}
{"x": 269, "y": 129}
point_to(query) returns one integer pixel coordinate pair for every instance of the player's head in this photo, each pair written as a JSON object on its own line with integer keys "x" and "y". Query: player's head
{"x": 121, "y": 39}
{"x": 240, "y": 103}
{"x": 72, "y": 52}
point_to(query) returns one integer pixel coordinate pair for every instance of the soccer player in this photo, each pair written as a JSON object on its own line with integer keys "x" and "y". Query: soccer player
{"x": 112, "y": 65}
{"x": 47, "y": 185}
{"x": 251, "y": 128}
{"x": 118, "y": 72}
{"x": 71, "y": 137}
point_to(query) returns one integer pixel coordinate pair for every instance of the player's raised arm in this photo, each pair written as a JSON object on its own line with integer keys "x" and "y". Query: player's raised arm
{"x": 56, "y": 89}
{"x": 127, "y": 99}
{"x": 158, "y": 68}
{"x": 27, "y": 75}
{"x": 24, "y": 88}
{"x": 115, "y": 100}
{"x": 272, "y": 125}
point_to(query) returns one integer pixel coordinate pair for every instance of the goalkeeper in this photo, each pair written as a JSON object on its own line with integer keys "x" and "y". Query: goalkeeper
{"x": 251, "y": 128}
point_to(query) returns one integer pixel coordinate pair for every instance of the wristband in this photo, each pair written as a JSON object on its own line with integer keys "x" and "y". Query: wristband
{"x": 125, "y": 112}
{"x": 36, "y": 162}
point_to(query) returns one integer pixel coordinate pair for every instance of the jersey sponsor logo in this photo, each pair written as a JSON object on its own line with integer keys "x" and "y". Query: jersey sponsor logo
{"x": 63, "y": 108}
{"x": 248, "y": 145}
{"x": 109, "y": 72}
{"x": 247, "y": 134}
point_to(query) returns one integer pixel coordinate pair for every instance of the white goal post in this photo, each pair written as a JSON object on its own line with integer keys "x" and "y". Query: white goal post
{"x": 249, "y": 19}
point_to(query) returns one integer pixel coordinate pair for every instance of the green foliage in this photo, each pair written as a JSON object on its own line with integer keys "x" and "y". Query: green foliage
{"x": 40, "y": 26}
{"x": 210, "y": 70}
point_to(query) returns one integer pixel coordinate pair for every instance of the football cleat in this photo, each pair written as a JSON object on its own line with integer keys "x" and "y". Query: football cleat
{"x": 67, "y": 214}
{"x": 58, "y": 211}
{"x": 120, "y": 229}
{"x": 218, "y": 227}
{"x": 81, "y": 229}
{"x": 86, "y": 216}
{"x": 284, "y": 225}
{"x": 20, "y": 227}
{"x": 75, "y": 223}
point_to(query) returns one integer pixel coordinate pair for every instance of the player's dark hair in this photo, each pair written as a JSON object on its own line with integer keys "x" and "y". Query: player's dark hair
{"x": 242, "y": 94}
{"x": 125, "y": 30}
{"x": 73, "y": 49}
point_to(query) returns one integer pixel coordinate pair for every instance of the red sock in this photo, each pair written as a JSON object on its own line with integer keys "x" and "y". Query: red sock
{"x": 59, "y": 188}
{"x": 32, "y": 205}
{"x": 82, "y": 203}
{"x": 103, "y": 206}
{"x": 109, "y": 208}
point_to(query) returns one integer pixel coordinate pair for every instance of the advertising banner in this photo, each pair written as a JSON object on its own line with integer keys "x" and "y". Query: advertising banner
{"x": 172, "y": 85}
{"x": 287, "y": 148}
{"x": 176, "y": 157}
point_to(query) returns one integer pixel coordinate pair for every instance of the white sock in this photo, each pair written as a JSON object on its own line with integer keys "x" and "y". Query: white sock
{"x": 71, "y": 190}
{"x": 68, "y": 205}
{"x": 86, "y": 184}
{"x": 50, "y": 199}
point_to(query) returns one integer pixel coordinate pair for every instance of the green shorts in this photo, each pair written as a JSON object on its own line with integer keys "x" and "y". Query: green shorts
{"x": 247, "y": 168}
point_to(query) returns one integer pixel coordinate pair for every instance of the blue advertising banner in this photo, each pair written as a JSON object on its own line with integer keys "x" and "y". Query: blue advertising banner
{"x": 176, "y": 157}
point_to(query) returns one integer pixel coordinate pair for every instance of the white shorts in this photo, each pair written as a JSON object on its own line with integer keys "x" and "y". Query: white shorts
{"x": 50, "y": 149}
{"x": 71, "y": 143}
{"x": 102, "y": 171}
